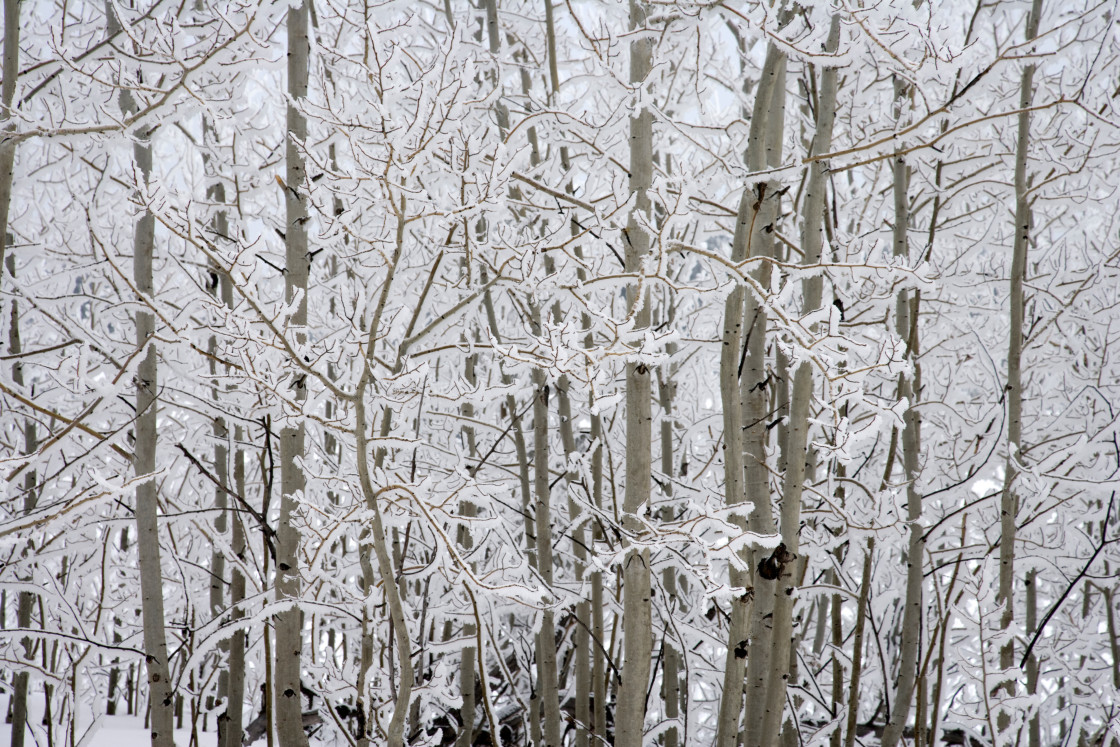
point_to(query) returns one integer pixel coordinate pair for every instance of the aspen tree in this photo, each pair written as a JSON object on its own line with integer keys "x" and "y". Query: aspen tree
{"x": 909, "y": 383}
{"x": 216, "y": 194}
{"x": 732, "y": 359}
{"x": 797, "y": 456}
{"x": 1009, "y": 500}
{"x": 287, "y": 698}
{"x": 147, "y": 499}
{"x": 547, "y": 669}
{"x": 670, "y": 678}
{"x": 374, "y": 535}
{"x": 7, "y": 145}
{"x": 160, "y": 696}
{"x": 762, "y": 208}
{"x": 637, "y": 620}
{"x": 26, "y": 599}
{"x": 235, "y": 702}
{"x": 7, "y": 163}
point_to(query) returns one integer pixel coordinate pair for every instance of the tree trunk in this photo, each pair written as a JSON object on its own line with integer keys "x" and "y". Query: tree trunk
{"x": 1009, "y": 501}
{"x": 796, "y": 453}
{"x": 160, "y": 696}
{"x": 547, "y": 677}
{"x": 906, "y": 327}
{"x": 218, "y": 285}
{"x": 733, "y": 366}
{"x": 753, "y": 386}
{"x": 637, "y": 616}
{"x": 395, "y": 737}
{"x": 26, "y": 601}
{"x": 670, "y": 677}
{"x": 470, "y": 630}
{"x": 857, "y": 646}
{"x": 7, "y": 96}
{"x": 289, "y": 633}
{"x": 235, "y": 703}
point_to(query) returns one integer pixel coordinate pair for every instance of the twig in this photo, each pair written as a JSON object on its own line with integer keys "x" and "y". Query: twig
{"x": 1073, "y": 583}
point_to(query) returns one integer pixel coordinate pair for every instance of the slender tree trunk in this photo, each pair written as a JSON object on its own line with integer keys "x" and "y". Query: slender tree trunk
{"x": 160, "y": 699}
{"x": 1009, "y": 502}
{"x": 599, "y": 673}
{"x": 7, "y": 96}
{"x": 7, "y": 165}
{"x": 518, "y": 430}
{"x": 734, "y": 363}
{"x": 160, "y": 696}
{"x": 375, "y": 538}
{"x": 797, "y": 456}
{"x": 289, "y": 633}
{"x": 547, "y": 677}
{"x": 906, "y": 327}
{"x": 467, "y": 510}
{"x": 857, "y": 646}
{"x": 1034, "y": 727}
{"x": 637, "y": 615}
{"x": 395, "y": 737}
{"x": 26, "y": 602}
{"x": 753, "y": 385}
{"x": 581, "y": 636}
{"x": 670, "y": 676}
{"x": 147, "y": 522}
{"x": 837, "y": 624}
{"x": 216, "y": 193}
{"x": 235, "y": 704}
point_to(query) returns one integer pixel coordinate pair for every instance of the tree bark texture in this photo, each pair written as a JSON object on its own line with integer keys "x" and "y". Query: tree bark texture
{"x": 160, "y": 698}
{"x": 637, "y": 615}
{"x": 754, "y": 383}
{"x": 906, "y": 327}
{"x": 7, "y": 96}
{"x": 160, "y": 695}
{"x": 289, "y": 626}
{"x": 1009, "y": 501}
{"x": 26, "y": 600}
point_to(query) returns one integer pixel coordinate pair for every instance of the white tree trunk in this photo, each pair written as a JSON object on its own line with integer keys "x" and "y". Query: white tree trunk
{"x": 1009, "y": 502}
{"x": 160, "y": 696}
{"x": 754, "y": 382}
{"x": 906, "y": 327}
{"x": 289, "y": 633}
{"x": 235, "y": 704}
{"x": 637, "y": 622}
{"x": 797, "y": 456}
{"x": 160, "y": 699}
{"x": 7, "y": 96}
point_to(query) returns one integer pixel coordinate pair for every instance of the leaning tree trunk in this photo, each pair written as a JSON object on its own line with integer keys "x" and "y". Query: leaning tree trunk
{"x": 289, "y": 635}
{"x": 1009, "y": 502}
{"x": 637, "y": 640}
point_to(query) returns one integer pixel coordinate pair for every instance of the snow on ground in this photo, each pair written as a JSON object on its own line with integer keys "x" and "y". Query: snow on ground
{"x": 108, "y": 731}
